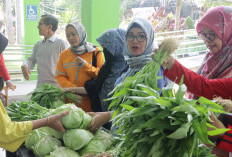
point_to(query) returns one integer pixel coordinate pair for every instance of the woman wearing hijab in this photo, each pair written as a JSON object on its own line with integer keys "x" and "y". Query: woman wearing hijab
{"x": 138, "y": 48}
{"x": 112, "y": 42}
{"x": 215, "y": 29}
{"x": 137, "y": 52}
{"x": 216, "y": 70}
{"x": 75, "y": 64}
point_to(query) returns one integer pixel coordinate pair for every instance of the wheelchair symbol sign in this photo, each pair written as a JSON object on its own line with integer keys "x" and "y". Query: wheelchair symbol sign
{"x": 31, "y": 12}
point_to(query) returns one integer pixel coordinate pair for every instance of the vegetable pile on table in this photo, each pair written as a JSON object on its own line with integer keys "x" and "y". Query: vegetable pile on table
{"x": 74, "y": 142}
{"x": 49, "y": 100}
{"x": 150, "y": 125}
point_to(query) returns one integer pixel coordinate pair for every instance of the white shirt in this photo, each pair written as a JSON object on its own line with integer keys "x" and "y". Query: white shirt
{"x": 46, "y": 54}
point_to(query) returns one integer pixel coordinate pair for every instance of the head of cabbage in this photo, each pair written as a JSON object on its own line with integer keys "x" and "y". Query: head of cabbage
{"x": 34, "y": 137}
{"x": 58, "y": 103}
{"x": 99, "y": 144}
{"x": 76, "y": 139}
{"x": 52, "y": 132}
{"x": 46, "y": 145}
{"x": 76, "y": 118}
{"x": 63, "y": 152}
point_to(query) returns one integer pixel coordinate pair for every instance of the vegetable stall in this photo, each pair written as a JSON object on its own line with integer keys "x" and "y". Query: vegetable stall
{"x": 145, "y": 124}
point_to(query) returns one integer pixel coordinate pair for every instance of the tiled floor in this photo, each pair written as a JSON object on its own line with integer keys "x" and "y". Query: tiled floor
{"x": 2, "y": 153}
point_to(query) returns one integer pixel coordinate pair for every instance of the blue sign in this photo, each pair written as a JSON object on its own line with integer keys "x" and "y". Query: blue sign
{"x": 32, "y": 12}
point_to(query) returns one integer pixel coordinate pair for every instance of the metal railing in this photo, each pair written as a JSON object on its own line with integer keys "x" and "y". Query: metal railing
{"x": 14, "y": 56}
{"x": 190, "y": 43}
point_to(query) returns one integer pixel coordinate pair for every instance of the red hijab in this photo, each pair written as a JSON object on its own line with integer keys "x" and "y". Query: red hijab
{"x": 219, "y": 19}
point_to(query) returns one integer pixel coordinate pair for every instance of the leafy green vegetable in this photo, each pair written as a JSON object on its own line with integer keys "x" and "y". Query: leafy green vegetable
{"x": 63, "y": 152}
{"x": 150, "y": 125}
{"x": 76, "y": 118}
{"x": 25, "y": 111}
{"x": 99, "y": 144}
{"x": 76, "y": 139}
{"x": 51, "y": 132}
{"x": 46, "y": 145}
{"x": 50, "y": 96}
{"x": 34, "y": 137}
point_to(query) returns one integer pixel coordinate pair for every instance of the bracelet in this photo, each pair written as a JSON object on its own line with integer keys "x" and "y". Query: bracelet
{"x": 47, "y": 121}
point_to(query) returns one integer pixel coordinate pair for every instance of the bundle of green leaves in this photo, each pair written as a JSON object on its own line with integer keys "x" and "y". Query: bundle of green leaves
{"x": 150, "y": 125}
{"x": 50, "y": 96}
{"x": 25, "y": 111}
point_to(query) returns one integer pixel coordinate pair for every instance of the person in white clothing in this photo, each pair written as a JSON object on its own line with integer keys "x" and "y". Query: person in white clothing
{"x": 45, "y": 52}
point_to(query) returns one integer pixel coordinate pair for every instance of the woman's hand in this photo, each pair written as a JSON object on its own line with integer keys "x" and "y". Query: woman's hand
{"x": 54, "y": 121}
{"x": 79, "y": 60}
{"x": 75, "y": 90}
{"x": 70, "y": 90}
{"x": 99, "y": 119}
{"x": 217, "y": 123}
{"x": 169, "y": 62}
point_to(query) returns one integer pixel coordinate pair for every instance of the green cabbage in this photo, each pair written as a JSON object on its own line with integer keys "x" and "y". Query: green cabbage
{"x": 73, "y": 119}
{"x": 77, "y": 138}
{"x": 34, "y": 137}
{"x": 46, "y": 145}
{"x": 46, "y": 113}
{"x": 86, "y": 121}
{"x": 57, "y": 103}
{"x": 94, "y": 147}
{"x": 99, "y": 144}
{"x": 63, "y": 152}
{"x": 76, "y": 118}
{"x": 52, "y": 132}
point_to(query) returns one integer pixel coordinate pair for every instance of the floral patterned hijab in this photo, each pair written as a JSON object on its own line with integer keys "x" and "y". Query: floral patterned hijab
{"x": 83, "y": 46}
{"x": 113, "y": 40}
{"x": 219, "y": 19}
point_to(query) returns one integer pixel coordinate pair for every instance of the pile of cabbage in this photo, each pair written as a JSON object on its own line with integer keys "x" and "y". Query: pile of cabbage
{"x": 75, "y": 142}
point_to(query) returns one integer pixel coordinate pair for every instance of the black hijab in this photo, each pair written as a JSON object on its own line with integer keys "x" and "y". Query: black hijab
{"x": 3, "y": 43}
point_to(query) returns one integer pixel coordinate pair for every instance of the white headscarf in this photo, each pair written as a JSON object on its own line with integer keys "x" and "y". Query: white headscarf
{"x": 83, "y": 46}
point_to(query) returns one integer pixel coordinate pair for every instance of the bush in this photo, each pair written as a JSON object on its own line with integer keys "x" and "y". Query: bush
{"x": 189, "y": 23}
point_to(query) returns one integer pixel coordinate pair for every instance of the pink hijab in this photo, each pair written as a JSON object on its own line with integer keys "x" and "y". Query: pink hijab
{"x": 219, "y": 19}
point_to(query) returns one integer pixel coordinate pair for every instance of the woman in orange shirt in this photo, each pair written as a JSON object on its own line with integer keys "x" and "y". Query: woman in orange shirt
{"x": 75, "y": 65}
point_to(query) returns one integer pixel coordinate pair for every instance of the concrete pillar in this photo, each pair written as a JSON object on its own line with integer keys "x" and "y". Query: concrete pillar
{"x": 31, "y": 17}
{"x": 98, "y": 16}
{"x": 31, "y": 9}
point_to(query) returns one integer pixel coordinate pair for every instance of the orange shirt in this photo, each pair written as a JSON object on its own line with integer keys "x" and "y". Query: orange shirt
{"x": 69, "y": 74}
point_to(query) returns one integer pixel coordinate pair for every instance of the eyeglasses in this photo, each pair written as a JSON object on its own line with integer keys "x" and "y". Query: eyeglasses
{"x": 210, "y": 36}
{"x": 140, "y": 38}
